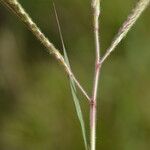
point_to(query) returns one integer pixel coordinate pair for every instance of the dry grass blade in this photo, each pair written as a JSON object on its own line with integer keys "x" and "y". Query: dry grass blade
{"x": 132, "y": 18}
{"x": 72, "y": 85}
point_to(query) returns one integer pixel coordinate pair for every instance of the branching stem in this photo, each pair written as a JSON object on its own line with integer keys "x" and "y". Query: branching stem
{"x": 93, "y": 106}
{"x": 16, "y": 8}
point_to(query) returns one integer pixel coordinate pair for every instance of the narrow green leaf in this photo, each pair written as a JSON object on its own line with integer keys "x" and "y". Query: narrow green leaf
{"x": 72, "y": 86}
{"x": 79, "y": 113}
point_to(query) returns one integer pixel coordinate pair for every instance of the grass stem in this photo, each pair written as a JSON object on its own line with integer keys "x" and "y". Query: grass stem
{"x": 93, "y": 106}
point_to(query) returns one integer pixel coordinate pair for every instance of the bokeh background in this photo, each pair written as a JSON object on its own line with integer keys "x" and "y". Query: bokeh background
{"x": 36, "y": 107}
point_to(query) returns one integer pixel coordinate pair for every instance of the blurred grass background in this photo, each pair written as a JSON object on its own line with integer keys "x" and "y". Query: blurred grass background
{"x": 36, "y": 107}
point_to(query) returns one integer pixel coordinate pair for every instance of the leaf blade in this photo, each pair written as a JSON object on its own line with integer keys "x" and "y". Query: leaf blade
{"x": 72, "y": 85}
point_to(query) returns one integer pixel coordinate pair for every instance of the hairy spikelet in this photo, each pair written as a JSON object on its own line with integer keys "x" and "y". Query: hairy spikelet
{"x": 127, "y": 25}
{"x": 17, "y": 8}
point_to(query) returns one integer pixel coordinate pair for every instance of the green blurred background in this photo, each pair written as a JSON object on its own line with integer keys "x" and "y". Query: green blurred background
{"x": 36, "y": 107}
